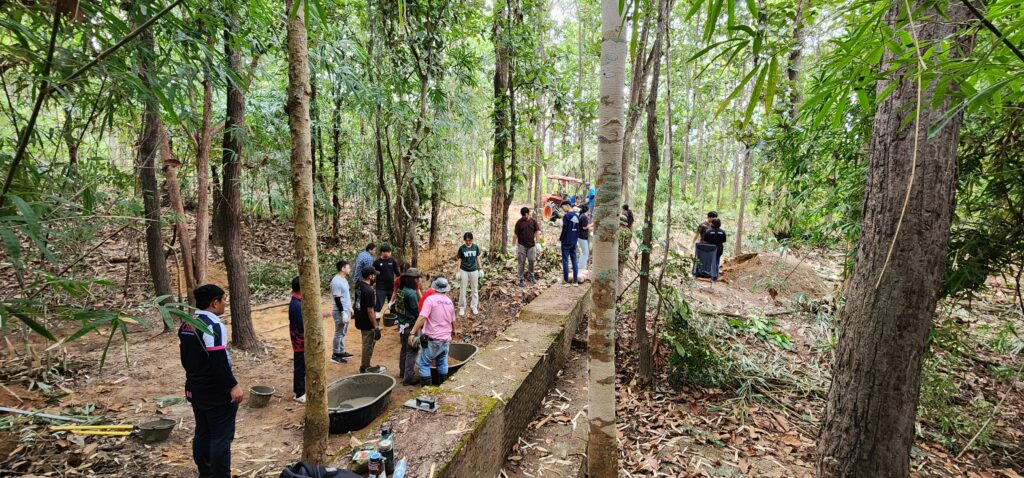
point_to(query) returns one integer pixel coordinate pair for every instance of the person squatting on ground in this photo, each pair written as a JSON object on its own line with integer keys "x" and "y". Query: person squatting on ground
{"x": 584, "y": 239}
{"x": 387, "y": 270}
{"x": 363, "y": 260}
{"x": 569, "y": 239}
{"x": 437, "y": 322}
{"x": 471, "y": 270}
{"x": 366, "y": 318}
{"x": 525, "y": 237}
{"x": 341, "y": 313}
{"x": 407, "y": 308}
{"x": 210, "y": 386}
{"x": 297, "y": 334}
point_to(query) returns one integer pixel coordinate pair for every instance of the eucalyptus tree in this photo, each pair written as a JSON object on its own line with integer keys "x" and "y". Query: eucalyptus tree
{"x": 602, "y": 449}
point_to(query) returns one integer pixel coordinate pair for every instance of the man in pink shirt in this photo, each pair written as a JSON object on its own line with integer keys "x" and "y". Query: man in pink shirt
{"x": 437, "y": 322}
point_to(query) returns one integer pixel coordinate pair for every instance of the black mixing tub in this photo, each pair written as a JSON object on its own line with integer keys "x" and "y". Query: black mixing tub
{"x": 353, "y": 402}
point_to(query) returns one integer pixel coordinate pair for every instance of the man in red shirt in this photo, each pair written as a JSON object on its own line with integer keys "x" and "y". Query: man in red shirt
{"x": 527, "y": 233}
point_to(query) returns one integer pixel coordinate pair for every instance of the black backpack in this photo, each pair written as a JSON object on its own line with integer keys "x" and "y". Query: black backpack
{"x": 714, "y": 235}
{"x": 305, "y": 470}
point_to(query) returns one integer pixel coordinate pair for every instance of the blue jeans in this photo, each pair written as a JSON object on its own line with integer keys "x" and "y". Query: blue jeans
{"x": 429, "y": 350}
{"x": 584, "y": 252}
{"x": 569, "y": 253}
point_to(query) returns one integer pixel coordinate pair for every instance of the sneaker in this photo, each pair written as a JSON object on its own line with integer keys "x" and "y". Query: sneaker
{"x": 520, "y": 282}
{"x": 566, "y": 284}
{"x": 533, "y": 280}
{"x": 346, "y": 355}
{"x": 375, "y": 369}
{"x": 462, "y": 312}
{"x": 576, "y": 284}
{"x": 476, "y": 311}
{"x": 338, "y": 359}
{"x": 301, "y": 399}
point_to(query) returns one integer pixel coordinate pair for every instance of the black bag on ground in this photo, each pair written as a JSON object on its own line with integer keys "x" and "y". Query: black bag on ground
{"x": 305, "y": 470}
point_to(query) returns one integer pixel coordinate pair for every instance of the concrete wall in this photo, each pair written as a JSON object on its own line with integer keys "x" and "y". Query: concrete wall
{"x": 488, "y": 404}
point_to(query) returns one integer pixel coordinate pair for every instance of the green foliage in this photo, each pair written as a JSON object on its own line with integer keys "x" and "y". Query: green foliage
{"x": 955, "y": 417}
{"x": 763, "y": 328}
{"x": 693, "y": 358}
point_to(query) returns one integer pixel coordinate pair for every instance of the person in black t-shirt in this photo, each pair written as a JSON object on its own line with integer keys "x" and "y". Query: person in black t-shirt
{"x": 716, "y": 236}
{"x": 366, "y": 318}
{"x": 584, "y": 241}
{"x": 387, "y": 269}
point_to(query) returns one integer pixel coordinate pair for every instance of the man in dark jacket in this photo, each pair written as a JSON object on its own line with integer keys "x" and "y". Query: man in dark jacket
{"x": 210, "y": 386}
{"x": 569, "y": 237}
{"x": 297, "y": 332}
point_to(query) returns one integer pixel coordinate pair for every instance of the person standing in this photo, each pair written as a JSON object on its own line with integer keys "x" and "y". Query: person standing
{"x": 437, "y": 321}
{"x": 407, "y": 308}
{"x": 704, "y": 226}
{"x": 471, "y": 270}
{"x": 342, "y": 313}
{"x": 525, "y": 237}
{"x": 715, "y": 235}
{"x": 591, "y": 197}
{"x": 387, "y": 270}
{"x": 210, "y": 386}
{"x": 363, "y": 260}
{"x": 584, "y": 240}
{"x": 366, "y": 318}
{"x": 297, "y": 334}
{"x": 569, "y": 239}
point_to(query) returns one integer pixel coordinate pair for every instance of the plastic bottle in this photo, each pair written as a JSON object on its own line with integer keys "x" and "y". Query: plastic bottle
{"x": 386, "y": 447}
{"x": 400, "y": 469}
{"x": 376, "y": 466}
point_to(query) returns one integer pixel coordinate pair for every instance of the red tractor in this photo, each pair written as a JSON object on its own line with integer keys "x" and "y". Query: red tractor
{"x": 552, "y": 201}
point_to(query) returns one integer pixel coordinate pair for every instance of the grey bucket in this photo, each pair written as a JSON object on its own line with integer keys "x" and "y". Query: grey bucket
{"x": 259, "y": 395}
{"x": 156, "y": 430}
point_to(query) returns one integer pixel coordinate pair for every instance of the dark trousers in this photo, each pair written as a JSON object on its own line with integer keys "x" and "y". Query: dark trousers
{"x": 382, "y": 298}
{"x": 569, "y": 253}
{"x": 299, "y": 374}
{"x": 407, "y": 358}
{"x": 211, "y": 446}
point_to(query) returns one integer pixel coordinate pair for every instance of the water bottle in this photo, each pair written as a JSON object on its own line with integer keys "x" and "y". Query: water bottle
{"x": 377, "y": 466}
{"x": 386, "y": 447}
{"x": 400, "y": 469}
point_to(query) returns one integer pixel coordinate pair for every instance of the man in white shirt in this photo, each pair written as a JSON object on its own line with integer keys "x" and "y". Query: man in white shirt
{"x": 342, "y": 313}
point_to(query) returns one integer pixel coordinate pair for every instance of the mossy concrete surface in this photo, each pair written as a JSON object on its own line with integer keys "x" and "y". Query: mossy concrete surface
{"x": 487, "y": 405}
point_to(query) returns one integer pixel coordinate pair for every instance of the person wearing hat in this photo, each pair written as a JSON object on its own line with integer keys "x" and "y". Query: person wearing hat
{"x": 407, "y": 308}
{"x": 366, "y": 317}
{"x": 437, "y": 323}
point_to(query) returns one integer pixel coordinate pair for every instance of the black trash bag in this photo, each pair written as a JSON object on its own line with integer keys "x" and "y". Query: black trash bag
{"x": 305, "y": 470}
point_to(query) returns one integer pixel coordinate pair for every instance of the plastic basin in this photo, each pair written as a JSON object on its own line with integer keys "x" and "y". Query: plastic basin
{"x": 353, "y": 402}
{"x": 456, "y": 351}
{"x": 156, "y": 430}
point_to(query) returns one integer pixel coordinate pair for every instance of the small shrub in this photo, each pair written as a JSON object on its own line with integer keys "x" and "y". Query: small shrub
{"x": 692, "y": 357}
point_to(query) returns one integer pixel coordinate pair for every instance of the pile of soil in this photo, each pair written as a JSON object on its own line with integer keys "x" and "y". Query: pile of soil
{"x": 787, "y": 275}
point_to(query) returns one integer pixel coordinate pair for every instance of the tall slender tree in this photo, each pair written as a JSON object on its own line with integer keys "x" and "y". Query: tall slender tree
{"x": 602, "y": 450}
{"x": 502, "y": 125}
{"x": 314, "y": 434}
{"x": 149, "y": 148}
{"x": 868, "y": 426}
{"x": 243, "y": 335}
{"x": 643, "y": 337}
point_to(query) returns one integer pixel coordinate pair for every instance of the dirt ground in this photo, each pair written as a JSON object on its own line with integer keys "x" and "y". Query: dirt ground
{"x": 150, "y": 385}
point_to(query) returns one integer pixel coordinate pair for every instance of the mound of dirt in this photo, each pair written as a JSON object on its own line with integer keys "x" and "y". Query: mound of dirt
{"x": 787, "y": 275}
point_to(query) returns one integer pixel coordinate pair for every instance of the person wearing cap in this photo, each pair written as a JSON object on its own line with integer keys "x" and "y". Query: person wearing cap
{"x": 437, "y": 323}
{"x": 407, "y": 308}
{"x": 569, "y": 239}
{"x": 366, "y": 318}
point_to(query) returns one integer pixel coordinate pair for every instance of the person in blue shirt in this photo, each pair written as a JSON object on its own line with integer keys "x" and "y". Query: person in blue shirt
{"x": 210, "y": 386}
{"x": 569, "y": 237}
{"x": 363, "y": 260}
{"x": 591, "y": 197}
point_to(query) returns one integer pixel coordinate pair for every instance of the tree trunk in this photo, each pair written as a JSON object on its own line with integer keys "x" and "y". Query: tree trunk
{"x": 243, "y": 335}
{"x": 738, "y": 247}
{"x": 602, "y": 450}
{"x": 435, "y": 208}
{"x": 736, "y": 167}
{"x": 641, "y": 67}
{"x": 204, "y": 138}
{"x": 868, "y": 425}
{"x": 148, "y": 150}
{"x": 579, "y": 88}
{"x": 721, "y": 179}
{"x": 170, "y": 168}
{"x": 795, "y": 59}
{"x": 336, "y": 157}
{"x": 643, "y": 338}
{"x": 217, "y": 230}
{"x": 382, "y": 187}
{"x": 314, "y": 433}
{"x": 502, "y": 129}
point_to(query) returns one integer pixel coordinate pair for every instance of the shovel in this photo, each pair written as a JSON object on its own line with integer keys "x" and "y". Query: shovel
{"x": 101, "y": 430}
